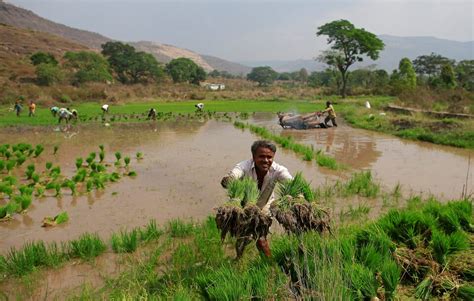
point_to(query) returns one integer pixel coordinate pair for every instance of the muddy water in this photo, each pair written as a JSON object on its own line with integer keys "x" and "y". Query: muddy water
{"x": 420, "y": 167}
{"x": 178, "y": 178}
{"x": 184, "y": 162}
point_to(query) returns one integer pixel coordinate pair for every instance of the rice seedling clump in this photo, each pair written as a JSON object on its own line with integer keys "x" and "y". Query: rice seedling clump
{"x": 295, "y": 210}
{"x": 241, "y": 217}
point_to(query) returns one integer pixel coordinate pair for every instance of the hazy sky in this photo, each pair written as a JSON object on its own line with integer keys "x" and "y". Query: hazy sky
{"x": 245, "y": 30}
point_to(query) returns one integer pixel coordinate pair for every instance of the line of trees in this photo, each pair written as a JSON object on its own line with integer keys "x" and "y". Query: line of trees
{"x": 117, "y": 61}
{"x": 349, "y": 45}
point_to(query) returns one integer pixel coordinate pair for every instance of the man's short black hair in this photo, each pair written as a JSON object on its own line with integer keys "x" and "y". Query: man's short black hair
{"x": 263, "y": 143}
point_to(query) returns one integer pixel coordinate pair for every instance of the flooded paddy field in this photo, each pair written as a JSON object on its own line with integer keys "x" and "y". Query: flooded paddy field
{"x": 420, "y": 167}
{"x": 183, "y": 163}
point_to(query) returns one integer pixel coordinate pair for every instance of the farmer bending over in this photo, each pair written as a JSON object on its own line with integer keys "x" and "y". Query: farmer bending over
{"x": 265, "y": 172}
{"x": 105, "y": 108}
{"x": 331, "y": 114}
{"x": 152, "y": 114}
{"x": 54, "y": 110}
{"x": 74, "y": 114}
{"x": 65, "y": 114}
{"x": 199, "y": 106}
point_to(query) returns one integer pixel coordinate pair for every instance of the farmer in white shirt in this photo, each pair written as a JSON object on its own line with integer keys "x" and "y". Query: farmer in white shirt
{"x": 105, "y": 108}
{"x": 265, "y": 172}
{"x": 65, "y": 114}
{"x": 199, "y": 106}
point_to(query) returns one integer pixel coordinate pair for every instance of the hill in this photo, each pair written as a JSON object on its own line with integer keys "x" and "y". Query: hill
{"x": 18, "y": 44}
{"x": 165, "y": 53}
{"x": 22, "y": 18}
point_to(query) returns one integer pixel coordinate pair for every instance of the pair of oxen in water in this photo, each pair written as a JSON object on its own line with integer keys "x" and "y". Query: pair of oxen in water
{"x": 301, "y": 122}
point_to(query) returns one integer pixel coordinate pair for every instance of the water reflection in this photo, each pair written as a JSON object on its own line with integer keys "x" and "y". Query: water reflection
{"x": 419, "y": 166}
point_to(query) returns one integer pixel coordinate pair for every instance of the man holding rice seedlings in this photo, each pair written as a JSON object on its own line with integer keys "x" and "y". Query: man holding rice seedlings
{"x": 265, "y": 173}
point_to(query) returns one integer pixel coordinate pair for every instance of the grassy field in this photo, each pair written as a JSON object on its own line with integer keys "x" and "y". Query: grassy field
{"x": 44, "y": 117}
{"x": 421, "y": 251}
{"x": 446, "y": 131}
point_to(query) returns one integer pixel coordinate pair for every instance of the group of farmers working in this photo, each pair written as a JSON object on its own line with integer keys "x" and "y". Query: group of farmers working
{"x": 309, "y": 121}
{"x": 65, "y": 114}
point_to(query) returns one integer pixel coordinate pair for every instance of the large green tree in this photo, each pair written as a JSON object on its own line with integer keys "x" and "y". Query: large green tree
{"x": 87, "y": 66}
{"x": 348, "y": 44}
{"x": 131, "y": 66}
{"x": 403, "y": 78}
{"x": 263, "y": 75}
{"x": 407, "y": 73}
{"x": 185, "y": 70}
{"x": 430, "y": 65}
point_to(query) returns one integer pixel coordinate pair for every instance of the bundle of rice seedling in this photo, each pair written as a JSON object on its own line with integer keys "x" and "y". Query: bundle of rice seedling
{"x": 415, "y": 264}
{"x": 38, "y": 150}
{"x": 23, "y": 201}
{"x": 127, "y": 161}
{"x": 79, "y": 162}
{"x": 390, "y": 274}
{"x": 295, "y": 212}
{"x": 241, "y": 217}
{"x": 30, "y": 169}
{"x": 57, "y": 220}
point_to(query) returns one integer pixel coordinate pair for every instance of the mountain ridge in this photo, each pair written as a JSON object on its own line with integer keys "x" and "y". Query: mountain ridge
{"x": 396, "y": 48}
{"x": 26, "y": 19}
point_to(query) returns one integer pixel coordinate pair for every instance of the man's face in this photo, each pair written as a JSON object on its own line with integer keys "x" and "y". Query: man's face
{"x": 263, "y": 158}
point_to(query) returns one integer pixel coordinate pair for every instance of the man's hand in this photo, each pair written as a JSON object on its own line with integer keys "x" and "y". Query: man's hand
{"x": 225, "y": 181}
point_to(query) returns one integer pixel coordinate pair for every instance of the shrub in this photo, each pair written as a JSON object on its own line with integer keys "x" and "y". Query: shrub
{"x": 48, "y": 74}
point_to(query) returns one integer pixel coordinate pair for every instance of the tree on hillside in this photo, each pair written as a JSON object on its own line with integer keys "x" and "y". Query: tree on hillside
{"x": 262, "y": 75}
{"x": 87, "y": 67}
{"x": 131, "y": 66}
{"x": 41, "y": 57}
{"x": 349, "y": 45}
{"x": 144, "y": 68}
{"x": 185, "y": 70}
{"x": 48, "y": 74}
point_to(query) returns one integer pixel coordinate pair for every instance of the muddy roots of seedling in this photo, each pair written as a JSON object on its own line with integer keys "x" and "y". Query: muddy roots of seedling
{"x": 239, "y": 222}
{"x": 416, "y": 264}
{"x": 302, "y": 217}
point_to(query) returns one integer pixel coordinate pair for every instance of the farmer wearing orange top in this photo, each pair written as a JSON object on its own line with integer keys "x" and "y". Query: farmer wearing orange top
{"x": 32, "y": 108}
{"x": 265, "y": 172}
